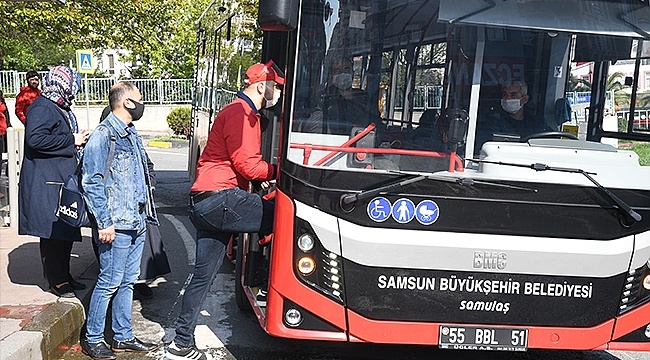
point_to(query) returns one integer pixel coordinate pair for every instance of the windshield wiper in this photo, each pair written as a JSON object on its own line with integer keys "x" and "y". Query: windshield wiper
{"x": 472, "y": 182}
{"x": 617, "y": 202}
{"x": 347, "y": 201}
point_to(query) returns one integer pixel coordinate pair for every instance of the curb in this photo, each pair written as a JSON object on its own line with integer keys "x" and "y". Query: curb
{"x": 60, "y": 325}
{"x": 168, "y": 144}
{"x": 160, "y": 144}
{"x": 49, "y": 335}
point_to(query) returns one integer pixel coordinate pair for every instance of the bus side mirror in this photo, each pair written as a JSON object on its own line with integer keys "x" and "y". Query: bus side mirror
{"x": 278, "y": 15}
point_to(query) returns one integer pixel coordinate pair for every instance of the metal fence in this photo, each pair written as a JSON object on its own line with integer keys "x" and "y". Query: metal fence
{"x": 156, "y": 91}
{"x": 209, "y": 98}
{"x": 641, "y": 119}
{"x": 11, "y": 81}
{"x": 424, "y": 97}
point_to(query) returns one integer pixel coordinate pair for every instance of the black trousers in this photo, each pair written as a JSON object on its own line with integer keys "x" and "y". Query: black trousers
{"x": 55, "y": 255}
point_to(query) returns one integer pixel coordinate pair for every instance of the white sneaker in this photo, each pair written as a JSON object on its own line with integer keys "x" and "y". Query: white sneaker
{"x": 176, "y": 352}
{"x": 261, "y": 297}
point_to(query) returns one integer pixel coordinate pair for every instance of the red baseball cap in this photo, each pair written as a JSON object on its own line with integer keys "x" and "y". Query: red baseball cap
{"x": 264, "y": 72}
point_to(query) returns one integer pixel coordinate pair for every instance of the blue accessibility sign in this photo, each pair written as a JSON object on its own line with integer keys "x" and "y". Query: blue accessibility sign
{"x": 403, "y": 210}
{"x": 427, "y": 212}
{"x": 379, "y": 209}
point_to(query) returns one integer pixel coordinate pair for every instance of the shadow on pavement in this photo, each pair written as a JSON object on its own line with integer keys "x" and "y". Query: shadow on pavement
{"x": 24, "y": 266}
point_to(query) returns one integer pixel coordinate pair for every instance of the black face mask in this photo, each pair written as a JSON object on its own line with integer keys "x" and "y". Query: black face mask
{"x": 136, "y": 113}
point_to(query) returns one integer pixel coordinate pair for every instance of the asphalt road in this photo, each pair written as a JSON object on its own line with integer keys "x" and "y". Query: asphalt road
{"x": 227, "y": 332}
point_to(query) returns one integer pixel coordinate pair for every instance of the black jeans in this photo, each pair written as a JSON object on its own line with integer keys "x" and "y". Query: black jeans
{"x": 216, "y": 218}
{"x": 55, "y": 255}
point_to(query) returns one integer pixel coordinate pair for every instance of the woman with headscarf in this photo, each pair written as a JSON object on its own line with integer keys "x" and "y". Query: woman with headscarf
{"x": 51, "y": 154}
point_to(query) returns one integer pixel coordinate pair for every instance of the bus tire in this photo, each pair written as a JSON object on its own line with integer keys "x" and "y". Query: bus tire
{"x": 240, "y": 296}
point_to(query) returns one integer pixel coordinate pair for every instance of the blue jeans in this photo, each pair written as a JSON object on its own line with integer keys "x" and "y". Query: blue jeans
{"x": 119, "y": 267}
{"x": 216, "y": 218}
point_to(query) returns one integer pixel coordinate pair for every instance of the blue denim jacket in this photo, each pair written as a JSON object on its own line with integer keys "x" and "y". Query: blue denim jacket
{"x": 114, "y": 203}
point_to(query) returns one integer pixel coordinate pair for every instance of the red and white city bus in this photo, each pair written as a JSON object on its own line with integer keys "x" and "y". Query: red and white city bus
{"x": 396, "y": 223}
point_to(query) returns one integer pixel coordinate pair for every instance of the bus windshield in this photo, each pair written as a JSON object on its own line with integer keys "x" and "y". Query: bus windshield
{"x": 422, "y": 85}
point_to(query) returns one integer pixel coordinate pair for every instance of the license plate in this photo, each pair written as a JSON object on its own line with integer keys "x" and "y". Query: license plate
{"x": 483, "y": 338}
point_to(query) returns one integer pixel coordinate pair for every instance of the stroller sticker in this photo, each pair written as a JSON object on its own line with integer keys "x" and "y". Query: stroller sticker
{"x": 427, "y": 212}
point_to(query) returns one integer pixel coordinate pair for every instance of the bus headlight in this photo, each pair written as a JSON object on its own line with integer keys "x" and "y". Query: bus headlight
{"x": 306, "y": 242}
{"x": 293, "y": 317}
{"x": 646, "y": 282}
{"x": 306, "y": 265}
{"x": 317, "y": 267}
{"x": 636, "y": 290}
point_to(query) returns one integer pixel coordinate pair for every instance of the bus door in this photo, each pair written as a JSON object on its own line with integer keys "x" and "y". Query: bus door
{"x": 208, "y": 95}
{"x": 249, "y": 251}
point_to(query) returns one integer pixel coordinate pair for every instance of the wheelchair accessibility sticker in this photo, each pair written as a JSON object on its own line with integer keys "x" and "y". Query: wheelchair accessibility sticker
{"x": 379, "y": 209}
{"x": 403, "y": 211}
{"x": 427, "y": 212}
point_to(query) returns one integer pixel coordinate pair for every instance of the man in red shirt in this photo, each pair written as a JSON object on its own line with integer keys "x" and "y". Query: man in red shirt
{"x": 219, "y": 202}
{"x": 27, "y": 95}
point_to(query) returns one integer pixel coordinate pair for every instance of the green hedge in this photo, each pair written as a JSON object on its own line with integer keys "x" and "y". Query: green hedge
{"x": 643, "y": 150}
{"x": 180, "y": 120}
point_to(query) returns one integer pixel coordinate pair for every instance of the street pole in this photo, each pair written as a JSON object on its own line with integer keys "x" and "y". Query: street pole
{"x": 87, "y": 101}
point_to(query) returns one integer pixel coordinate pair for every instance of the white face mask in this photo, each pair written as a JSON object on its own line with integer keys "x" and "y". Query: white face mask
{"x": 342, "y": 81}
{"x": 269, "y": 103}
{"x": 511, "y": 106}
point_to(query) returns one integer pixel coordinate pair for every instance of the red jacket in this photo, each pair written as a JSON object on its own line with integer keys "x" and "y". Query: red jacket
{"x": 25, "y": 97}
{"x": 232, "y": 155}
{"x": 3, "y": 119}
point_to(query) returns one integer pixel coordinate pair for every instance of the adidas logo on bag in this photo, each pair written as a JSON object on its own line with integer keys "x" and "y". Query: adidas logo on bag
{"x": 69, "y": 211}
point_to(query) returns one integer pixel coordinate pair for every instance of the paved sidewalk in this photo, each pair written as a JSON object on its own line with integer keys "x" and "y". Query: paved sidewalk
{"x": 34, "y": 323}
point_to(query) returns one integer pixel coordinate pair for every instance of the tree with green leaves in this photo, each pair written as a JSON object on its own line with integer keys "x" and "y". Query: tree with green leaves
{"x": 621, "y": 96}
{"x": 159, "y": 34}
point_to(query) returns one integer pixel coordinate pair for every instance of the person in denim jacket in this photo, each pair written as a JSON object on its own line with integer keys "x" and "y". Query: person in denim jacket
{"x": 121, "y": 220}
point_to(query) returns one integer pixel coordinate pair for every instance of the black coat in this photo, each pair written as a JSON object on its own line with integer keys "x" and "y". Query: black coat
{"x": 49, "y": 158}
